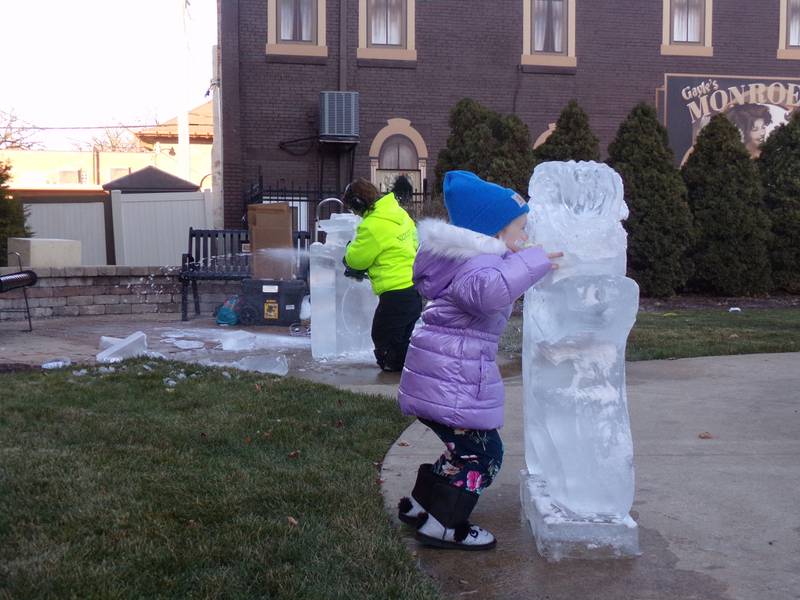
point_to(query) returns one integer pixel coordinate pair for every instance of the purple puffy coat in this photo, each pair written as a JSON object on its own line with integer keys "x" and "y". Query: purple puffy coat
{"x": 471, "y": 281}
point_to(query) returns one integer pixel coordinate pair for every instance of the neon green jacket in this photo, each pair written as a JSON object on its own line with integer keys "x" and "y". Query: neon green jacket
{"x": 385, "y": 246}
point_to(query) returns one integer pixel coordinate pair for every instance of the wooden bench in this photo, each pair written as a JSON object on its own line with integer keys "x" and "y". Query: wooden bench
{"x": 214, "y": 255}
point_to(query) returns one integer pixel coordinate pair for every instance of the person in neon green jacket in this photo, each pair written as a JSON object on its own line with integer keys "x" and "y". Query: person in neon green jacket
{"x": 384, "y": 248}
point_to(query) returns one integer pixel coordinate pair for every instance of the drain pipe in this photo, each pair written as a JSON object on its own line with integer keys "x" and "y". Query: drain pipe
{"x": 343, "y": 53}
{"x": 343, "y": 45}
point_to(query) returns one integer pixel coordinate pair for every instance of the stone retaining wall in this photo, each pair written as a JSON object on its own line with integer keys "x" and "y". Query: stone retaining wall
{"x": 109, "y": 290}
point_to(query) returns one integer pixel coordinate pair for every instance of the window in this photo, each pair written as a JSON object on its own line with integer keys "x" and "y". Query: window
{"x": 398, "y": 149}
{"x": 687, "y": 28}
{"x": 789, "y": 35}
{"x": 386, "y": 29}
{"x": 117, "y": 172}
{"x": 398, "y": 157}
{"x": 398, "y": 153}
{"x": 687, "y": 21}
{"x": 387, "y": 23}
{"x": 71, "y": 176}
{"x": 297, "y": 20}
{"x": 793, "y": 24}
{"x": 550, "y": 31}
{"x": 296, "y": 27}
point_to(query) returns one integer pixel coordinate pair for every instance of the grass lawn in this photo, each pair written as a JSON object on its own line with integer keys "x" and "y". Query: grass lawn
{"x": 687, "y": 333}
{"x": 117, "y": 486}
{"x": 699, "y": 332}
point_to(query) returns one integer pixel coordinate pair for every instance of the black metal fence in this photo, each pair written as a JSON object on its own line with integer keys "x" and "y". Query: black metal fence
{"x": 309, "y": 204}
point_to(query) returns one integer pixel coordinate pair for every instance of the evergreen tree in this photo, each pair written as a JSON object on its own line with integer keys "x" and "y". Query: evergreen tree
{"x": 730, "y": 253}
{"x": 660, "y": 222}
{"x": 779, "y": 164}
{"x": 572, "y": 139}
{"x": 12, "y": 216}
{"x": 493, "y": 146}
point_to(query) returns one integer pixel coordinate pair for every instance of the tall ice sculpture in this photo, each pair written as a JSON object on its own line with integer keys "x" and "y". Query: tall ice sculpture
{"x": 578, "y": 487}
{"x": 341, "y": 307}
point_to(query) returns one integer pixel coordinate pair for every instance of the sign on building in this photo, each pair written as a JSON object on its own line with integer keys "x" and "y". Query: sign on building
{"x": 756, "y": 105}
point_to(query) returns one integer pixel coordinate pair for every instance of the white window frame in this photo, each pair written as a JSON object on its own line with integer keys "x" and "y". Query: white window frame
{"x": 366, "y": 50}
{"x": 670, "y": 47}
{"x": 567, "y": 58}
{"x": 785, "y": 51}
{"x": 317, "y": 47}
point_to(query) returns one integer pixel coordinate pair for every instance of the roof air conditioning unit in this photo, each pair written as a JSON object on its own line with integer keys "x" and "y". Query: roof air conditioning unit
{"x": 338, "y": 115}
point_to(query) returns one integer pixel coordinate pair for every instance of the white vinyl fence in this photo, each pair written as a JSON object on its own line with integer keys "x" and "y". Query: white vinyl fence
{"x": 84, "y": 221}
{"x": 153, "y": 229}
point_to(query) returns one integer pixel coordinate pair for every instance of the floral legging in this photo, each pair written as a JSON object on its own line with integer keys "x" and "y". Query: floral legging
{"x": 472, "y": 457}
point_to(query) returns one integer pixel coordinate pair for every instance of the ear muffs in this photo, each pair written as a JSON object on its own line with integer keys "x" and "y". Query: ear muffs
{"x": 355, "y": 202}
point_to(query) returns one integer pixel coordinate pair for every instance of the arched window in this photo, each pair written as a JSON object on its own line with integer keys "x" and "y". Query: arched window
{"x": 398, "y": 154}
{"x": 398, "y": 149}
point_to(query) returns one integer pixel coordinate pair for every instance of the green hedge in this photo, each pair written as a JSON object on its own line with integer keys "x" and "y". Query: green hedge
{"x": 779, "y": 165}
{"x": 733, "y": 229}
{"x": 495, "y": 147}
{"x": 660, "y": 222}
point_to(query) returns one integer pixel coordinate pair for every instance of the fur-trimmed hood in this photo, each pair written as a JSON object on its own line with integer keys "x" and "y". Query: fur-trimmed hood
{"x": 443, "y": 248}
{"x": 446, "y": 240}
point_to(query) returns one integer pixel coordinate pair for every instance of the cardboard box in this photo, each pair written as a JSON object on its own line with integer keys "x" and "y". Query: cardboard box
{"x": 271, "y": 246}
{"x": 267, "y": 212}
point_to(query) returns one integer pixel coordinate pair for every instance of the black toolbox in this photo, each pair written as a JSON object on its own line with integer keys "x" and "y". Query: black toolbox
{"x": 271, "y": 302}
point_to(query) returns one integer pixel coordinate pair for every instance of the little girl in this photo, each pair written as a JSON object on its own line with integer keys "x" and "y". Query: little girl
{"x": 471, "y": 272}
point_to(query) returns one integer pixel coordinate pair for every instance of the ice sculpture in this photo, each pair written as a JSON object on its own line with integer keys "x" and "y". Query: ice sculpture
{"x": 133, "y": 345}
{"x": 341, "y": 307}
{"x": 578, "y": 487}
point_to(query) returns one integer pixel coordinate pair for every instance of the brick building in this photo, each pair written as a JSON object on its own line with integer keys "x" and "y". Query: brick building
{"x": 411, "y": 60}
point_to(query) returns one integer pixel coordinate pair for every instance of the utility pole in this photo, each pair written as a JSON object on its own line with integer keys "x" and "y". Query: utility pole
{"x": 184, "y": 161}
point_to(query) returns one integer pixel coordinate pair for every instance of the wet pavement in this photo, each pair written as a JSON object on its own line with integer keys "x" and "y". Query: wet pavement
{"x": 717, "y": 515}
{"x": 196, "y": 340}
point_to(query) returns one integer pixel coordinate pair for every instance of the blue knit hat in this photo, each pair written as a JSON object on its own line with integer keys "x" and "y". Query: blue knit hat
{"x": 478, "y": 205}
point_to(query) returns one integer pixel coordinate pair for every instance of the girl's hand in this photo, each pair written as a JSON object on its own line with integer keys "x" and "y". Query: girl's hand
{"x": 553, "y": 256}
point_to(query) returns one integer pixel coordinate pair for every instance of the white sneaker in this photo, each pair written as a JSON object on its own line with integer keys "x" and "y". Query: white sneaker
{"x": 409, "y": 510}
{"x": 463, "y": 537}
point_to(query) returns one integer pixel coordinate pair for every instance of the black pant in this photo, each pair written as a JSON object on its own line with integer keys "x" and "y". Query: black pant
{"x": 392, "y": 325}
{"x": 472, "y": 457}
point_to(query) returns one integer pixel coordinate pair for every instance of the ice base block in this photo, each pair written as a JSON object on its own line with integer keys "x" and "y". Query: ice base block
{"x": 562, "y": 534}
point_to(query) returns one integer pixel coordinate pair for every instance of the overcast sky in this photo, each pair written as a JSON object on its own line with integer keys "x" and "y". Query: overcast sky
{"x": 102, "y": 62}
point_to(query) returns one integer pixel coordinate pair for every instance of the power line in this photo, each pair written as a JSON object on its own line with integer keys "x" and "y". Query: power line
{"x": 65, "y": 128}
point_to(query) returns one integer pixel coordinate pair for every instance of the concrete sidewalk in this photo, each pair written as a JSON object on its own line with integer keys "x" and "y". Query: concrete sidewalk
{"x": 718, "y": 517}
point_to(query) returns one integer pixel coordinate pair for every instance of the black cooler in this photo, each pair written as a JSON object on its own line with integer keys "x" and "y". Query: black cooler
{"x": 271, "y": 302}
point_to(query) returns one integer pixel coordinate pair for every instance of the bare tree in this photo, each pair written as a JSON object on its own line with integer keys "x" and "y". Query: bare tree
{"x": 116, "y": 139}
{"x": 16, "y": 134}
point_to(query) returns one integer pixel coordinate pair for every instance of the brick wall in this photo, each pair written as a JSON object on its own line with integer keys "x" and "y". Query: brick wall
{"x": 464, "y": 50}
{"x": 77, "y": 291}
